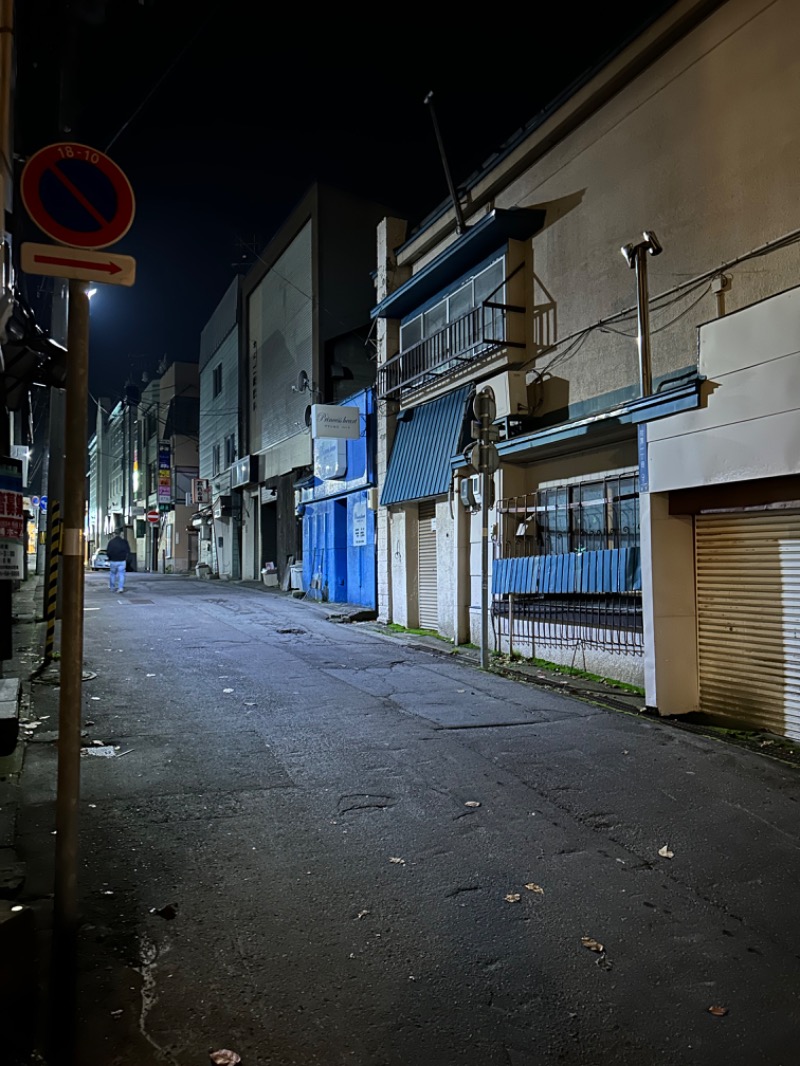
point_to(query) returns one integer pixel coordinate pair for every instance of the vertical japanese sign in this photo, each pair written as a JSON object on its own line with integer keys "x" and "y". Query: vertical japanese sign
{"x": 164, "y": 473}
{"x": 12, "y": 521}
{"x": 359, "y": 513}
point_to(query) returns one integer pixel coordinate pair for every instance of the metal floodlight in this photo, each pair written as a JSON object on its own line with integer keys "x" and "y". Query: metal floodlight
{"x": 653, "y": 243}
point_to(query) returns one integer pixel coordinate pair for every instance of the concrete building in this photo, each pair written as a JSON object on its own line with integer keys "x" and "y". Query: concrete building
{"x": 685, "y": 139}
{"x": 177, "y": 466}
{"x": 143, "y": 459}
{"x": 305, "y": 321}
{"x": 218, "y": 517}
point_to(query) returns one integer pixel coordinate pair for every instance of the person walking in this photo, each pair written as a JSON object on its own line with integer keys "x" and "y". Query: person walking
{"x": 118, "y": 551}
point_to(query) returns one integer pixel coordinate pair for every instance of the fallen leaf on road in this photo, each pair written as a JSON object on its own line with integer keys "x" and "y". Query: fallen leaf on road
{"x": 591, "y": 944}
{"x": 395, "y": 859}
{"x": 169, "y": 912}
{"x": 225, "y": 1057}
{"x": 665, "y": 853}
{"x": 533, "y": 887}
{"x": 513, "y": 897}
{"x": 472, "y": 803}
{"x": 362, "y": 914}
{"x": 718, "y": 1012}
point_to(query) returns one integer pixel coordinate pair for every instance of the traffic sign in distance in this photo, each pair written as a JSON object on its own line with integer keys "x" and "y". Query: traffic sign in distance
{"x": 77, "y": 195}
{"x": 153, "y": 517}
{"x": 55, "y": 261}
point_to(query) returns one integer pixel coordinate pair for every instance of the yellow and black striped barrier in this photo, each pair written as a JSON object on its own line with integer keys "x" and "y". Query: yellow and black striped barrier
{"x": 51, "y": 589}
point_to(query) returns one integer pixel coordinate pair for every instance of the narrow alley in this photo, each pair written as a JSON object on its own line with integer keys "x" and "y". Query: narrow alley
{"x": 318, "y": 845}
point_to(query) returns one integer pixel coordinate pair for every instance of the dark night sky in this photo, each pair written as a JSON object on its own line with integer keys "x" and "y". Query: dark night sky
{"x": 222, "y": 116}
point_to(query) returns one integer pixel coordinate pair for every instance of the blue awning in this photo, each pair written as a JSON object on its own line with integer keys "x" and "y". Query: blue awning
{"x": 487, "y": 236}
{"x": 427, "y": 438}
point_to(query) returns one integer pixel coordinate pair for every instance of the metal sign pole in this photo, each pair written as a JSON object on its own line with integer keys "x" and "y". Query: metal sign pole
{"x": 485, "y": 570}
{"x": 65, "y": 903}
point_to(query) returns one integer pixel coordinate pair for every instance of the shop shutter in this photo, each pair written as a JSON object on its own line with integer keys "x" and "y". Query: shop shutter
{"x": 428, "y": 598}
{"x": 748, "y": 617}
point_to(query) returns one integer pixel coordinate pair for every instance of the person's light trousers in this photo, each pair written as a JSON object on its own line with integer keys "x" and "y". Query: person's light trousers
{"x": 116, "y": 576}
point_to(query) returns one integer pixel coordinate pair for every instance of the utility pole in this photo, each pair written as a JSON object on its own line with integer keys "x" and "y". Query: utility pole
{"x": 483, "y": 457}
{"x": 65, "y": 901}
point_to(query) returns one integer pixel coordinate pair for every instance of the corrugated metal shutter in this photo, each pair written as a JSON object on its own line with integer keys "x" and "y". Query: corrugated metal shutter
{"x": 428, "y": 597}
{"x": 748, "y": 614}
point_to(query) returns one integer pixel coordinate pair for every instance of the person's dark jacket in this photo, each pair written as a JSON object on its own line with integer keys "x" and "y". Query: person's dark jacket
{"x": 118, "y": 550}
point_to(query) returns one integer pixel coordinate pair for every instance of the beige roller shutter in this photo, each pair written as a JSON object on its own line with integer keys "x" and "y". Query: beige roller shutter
{"x": 748, "y": 617}
{"x": 428, "y": 597}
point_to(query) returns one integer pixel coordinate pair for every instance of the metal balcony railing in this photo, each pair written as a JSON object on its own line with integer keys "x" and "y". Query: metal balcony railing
{"x": 474, "y": 335}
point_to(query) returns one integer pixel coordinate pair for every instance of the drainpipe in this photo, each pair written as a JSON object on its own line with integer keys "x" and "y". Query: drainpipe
{"x": 636, "y": 258}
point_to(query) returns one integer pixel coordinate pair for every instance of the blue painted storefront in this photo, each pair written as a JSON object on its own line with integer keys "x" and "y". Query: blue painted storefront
{"x": 339, "y": 563}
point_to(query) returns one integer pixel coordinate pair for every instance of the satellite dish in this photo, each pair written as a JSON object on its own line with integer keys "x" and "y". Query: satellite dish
{"x": 302, "y": 382}
{"x": 308, "y": 417}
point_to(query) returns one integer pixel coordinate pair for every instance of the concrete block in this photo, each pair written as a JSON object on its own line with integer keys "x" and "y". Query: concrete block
{"x": 9, "y": 714}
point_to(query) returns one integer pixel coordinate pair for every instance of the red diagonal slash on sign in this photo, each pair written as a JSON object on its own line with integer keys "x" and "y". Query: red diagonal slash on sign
{"x": 54, "y": 260}
{"x": 76, "y": 192}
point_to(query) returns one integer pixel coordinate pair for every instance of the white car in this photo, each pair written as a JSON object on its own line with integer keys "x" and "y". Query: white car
{"x": 100, "y": 560}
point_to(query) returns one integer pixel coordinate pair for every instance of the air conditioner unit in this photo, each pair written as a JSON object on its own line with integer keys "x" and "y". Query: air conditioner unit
{"x": 510, "y": 393}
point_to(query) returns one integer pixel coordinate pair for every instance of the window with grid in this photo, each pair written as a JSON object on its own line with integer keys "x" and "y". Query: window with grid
{"x": 586, "y": 516}
{"x": 469, "y": 296}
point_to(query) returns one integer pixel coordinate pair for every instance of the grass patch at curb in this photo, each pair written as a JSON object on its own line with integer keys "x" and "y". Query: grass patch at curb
{"x": 393, "y": 627}
{"x": 568, "y": 671}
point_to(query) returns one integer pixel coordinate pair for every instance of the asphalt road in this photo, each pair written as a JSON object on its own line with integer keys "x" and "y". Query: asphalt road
{"x": 379, "y": 856}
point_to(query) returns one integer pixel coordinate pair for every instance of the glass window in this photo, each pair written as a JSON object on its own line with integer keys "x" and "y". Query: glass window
{"x": 411, "y": 333}
{"x": 435, "y": 319}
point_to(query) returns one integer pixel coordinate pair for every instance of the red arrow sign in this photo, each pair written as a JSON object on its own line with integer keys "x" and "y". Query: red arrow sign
{"x": 55, "y": 262}
{"x": 107, "y": 268}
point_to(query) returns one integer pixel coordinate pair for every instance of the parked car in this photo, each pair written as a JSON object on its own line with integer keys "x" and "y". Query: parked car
{"x": 100, "y": 560}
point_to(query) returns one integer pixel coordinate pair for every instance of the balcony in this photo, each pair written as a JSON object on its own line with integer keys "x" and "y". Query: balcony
{"x": 461, "y": 344}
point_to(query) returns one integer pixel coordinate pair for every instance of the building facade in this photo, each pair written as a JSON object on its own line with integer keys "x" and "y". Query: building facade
{"x": 217, "y": 519}
{"x": 682, "y": 152}
{"x": 338, "y": 501}
{"x": 305, "y": 321}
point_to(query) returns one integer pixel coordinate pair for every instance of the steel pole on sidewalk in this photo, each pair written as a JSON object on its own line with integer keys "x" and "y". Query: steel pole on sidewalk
{"x": 65, "y": 902}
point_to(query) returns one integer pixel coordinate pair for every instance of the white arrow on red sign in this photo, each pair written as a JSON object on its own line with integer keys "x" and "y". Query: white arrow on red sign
{"x": 58, "y": 262}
